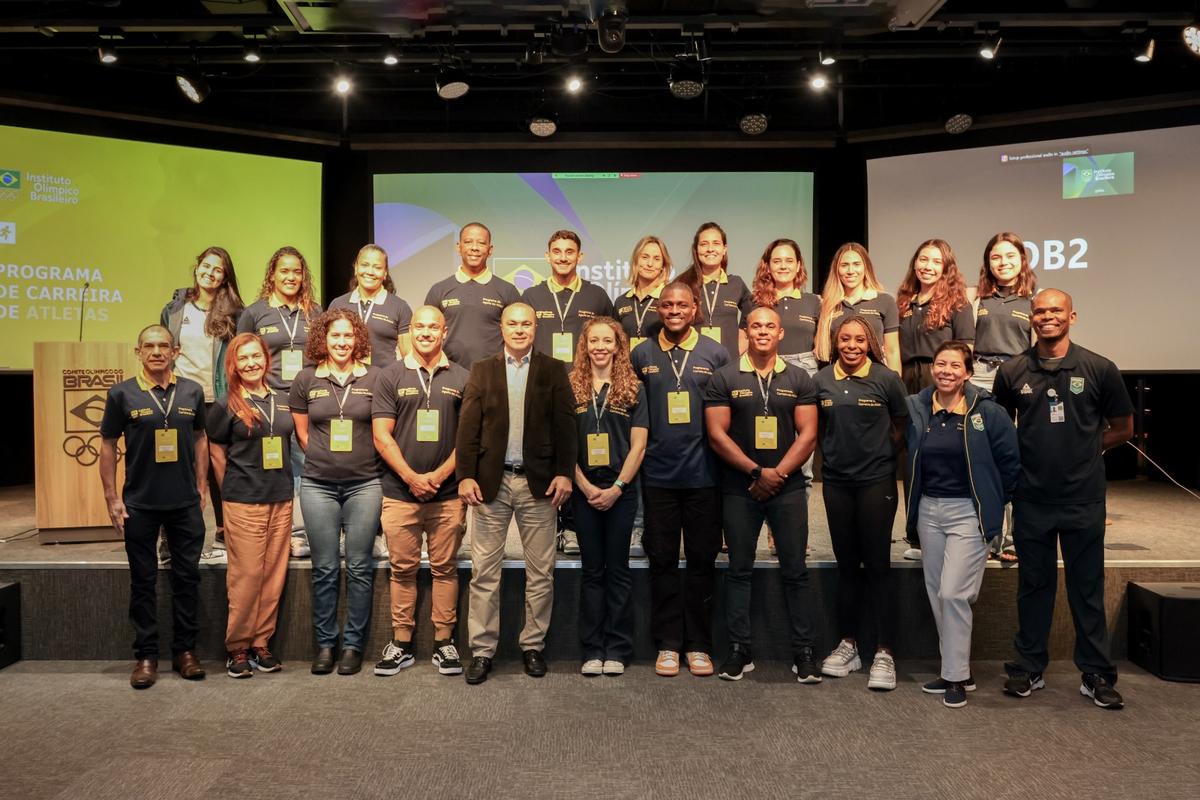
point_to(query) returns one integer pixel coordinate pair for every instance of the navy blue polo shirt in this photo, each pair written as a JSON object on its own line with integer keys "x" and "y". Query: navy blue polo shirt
{"x": 615, "y": 419}
{"x": 726, "y": 301}
{"x": 316, "y": 393}
{"x": 944, "y": 452}
{"x": 472, "y": 307}
{"x": 1002, "y": 325}
{"x": 739, "y": 388}
{"x": 799, "y": 312}
{"x": 134, "y": 408}
{"x": 387, "y": 318}
{"x": 879, "y": 309}
{"x": 856, "y": 413}
{"x": 282, "y": 328}
{"x": 579, "y": 302}
{"x": 245, "y": 479}
{"x": 639, "y": 316}
{"x": 677, "y": 454}
{"x": 400, "y": 392}
{"x": 919, "y": 344}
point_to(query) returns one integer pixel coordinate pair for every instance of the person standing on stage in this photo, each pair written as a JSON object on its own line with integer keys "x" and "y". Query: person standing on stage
{"x": 853, "y": 289}
{"x": 613, "y": 420}
{"x": 373, "y": 296}
{"x": 415, "y": 421}
{"x": 679, "y": 480}
{"x": 340, "y": 490}
{"x": 637, "y": 309}
{"x": 202, "y": 319}
{"x": 161, "y": 416}
{"x": 725, "y": 300}
{"x": 933, "y": 308}
{"x": 963, "y": 465}
{"x": 249, "y": 433}
{"x": 761, "y": 416}
{"x": 862, "y": 411}
{"x": 1070, "y": 405}
{"x": 472, "y": 299}
{"x": 515, "y": 454}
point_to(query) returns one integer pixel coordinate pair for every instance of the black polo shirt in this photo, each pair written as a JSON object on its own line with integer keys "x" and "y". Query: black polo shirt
{"x": 919, "y": 344}
{"x": 282, "y": 328}
{"x": 387, "y": 319}
{"x": 677, "y": 454}
{"x": 316, "y": 393}
{"x": 639, "y": 318}
{"x": 400, "y": 392}
{"x": 580, "y": 302}
{"x": 799, "y": 312}
{"x": 1002, "y": 325}
{"x": 129, "y": 409}
{"x": 472, "y": 307}
{"x": 879, "y": 310}
{"x": 616, "y": 420}
{"x": 726, "y": 301}
{"x": 739, "y": 388}
{"x": 856, "y": 413}
{"x": 1061, "y": 462}
{"x": 245, "y": 479}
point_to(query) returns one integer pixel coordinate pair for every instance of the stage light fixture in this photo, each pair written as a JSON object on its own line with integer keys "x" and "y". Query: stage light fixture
{"x": 251, "y": 54}
{"x": 107, "y": 54}
{"x": 753, "y": 123}
{"x": 817, "y": 81}
{"x": 390, "y": 55}
{"x": 687, "y": 81}
{"x": 826, "y": 58}
{"x": 959, "y": 123}
{"x": 574, "y": 83}
{"x": 1191, "y": 37}
{"x": 342, "y": 85}
{"x": 193, "y": 85}
{"x": 610, "y": 29}
{"x": 1144, "y": 54}
{"x": 452, "y": 83}
{"x": 990, "y": 47}
{"x": 543, "y": 124}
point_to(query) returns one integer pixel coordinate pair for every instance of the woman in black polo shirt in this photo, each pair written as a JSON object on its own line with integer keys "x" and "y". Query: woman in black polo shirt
{"x": 340, "y": 488}
{"x": 724, "y": 299}
{"x": 249, "y": 433}
{"x": 850, "y": 289}
{"x": 613, "y": 421}
{"x": 933, "y": 309}
{"x": 373, "y": 296}
{"x": 637, "y": 310}
{"x": 779, "y": 284}
{"x": 862, "y": 412}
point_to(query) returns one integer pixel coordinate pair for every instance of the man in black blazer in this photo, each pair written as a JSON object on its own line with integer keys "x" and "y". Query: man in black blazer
{"x": 515, "y": 455}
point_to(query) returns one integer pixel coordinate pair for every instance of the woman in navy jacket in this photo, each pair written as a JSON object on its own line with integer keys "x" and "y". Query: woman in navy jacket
{"x": 963, "y": 459}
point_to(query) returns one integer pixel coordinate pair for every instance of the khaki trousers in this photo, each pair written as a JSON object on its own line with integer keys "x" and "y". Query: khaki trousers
{"x": 441, "y": 521}
{"x": 257, "y": 537}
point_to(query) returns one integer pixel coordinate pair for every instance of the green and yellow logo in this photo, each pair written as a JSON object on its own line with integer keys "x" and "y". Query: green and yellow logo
{"x": 10, "y": 179}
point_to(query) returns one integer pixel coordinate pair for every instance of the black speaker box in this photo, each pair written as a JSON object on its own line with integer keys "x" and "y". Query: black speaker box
{"x": 1164, "y": 620}
{"x": 10, "y": 624}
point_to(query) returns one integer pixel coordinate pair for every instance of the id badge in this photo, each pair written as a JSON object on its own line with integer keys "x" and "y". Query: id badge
{"x": 679, "y": 408}
{"x": 1058, "y": 411}
{"x": 166, "y": 446}
{"x": 634, "y": 341}
{"x": 597, "y": 446}
{"x": 711, "y": 331}
{"x": 272, "y": 452}
{"x": 564, "y": 346}
{"x": 427, "y": 424}
{"x": 766, "y": 433}
{"x": 291, "y": 362}
{"x": 340, "y": 433}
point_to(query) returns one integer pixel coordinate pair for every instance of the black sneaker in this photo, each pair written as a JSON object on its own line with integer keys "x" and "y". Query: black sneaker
{"x": 264, "y": 660}
{"x": 238, "y": 665}
{"x": 397, "y": 655}
{"x": 955, "y": 695}
{"x": 446, "y": 658}
{"x": 804, "y": 665}
{"x": 737, "y": 664}
{"x": 938, "y": 685}
{"x": 1101, "y": 691}
{"x": 1023, "y": 684}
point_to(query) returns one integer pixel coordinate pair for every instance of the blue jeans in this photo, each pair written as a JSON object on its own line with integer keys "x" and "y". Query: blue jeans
{"x": 330, "y": 508}
{"x": 605, "y": 618}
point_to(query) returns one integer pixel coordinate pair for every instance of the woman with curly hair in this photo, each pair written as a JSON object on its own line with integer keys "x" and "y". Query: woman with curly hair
{"x": 779, "y": 284}
{"x": 933, "y": 307}
{"x": 613, "y": 422}
{"x": 852, "y": 289}
{"x": 340, "y": 489}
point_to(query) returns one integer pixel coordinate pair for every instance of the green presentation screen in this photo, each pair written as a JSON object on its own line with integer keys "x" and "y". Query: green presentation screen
{"x": 1098, "y": 175}
{"x": 126, "y": 220}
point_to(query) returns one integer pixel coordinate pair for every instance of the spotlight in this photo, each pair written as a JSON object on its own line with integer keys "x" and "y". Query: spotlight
{"x": 543, "y": 124}
{"x": 342, "y": 85}
{"x": 1191, "y": 37}
{"x": 193, "y": 85}
{"x": 251, "y": 54}
{"x": 817, "y": 81}
{"x": 107, "y": 54}
{"x": 452, "y": 83}
{"x": 610, "y": 29}
{"x": 826, "y": 58}
{"x": 389, "y": 55}
{"x": 574, "y": 84}
{"x": 959, "y": 123}
{"x": 990, "y": 47}
{"x": 687, "y": 81}
{"x": 1145, "y": 53}
{"x": 753, "y": 123}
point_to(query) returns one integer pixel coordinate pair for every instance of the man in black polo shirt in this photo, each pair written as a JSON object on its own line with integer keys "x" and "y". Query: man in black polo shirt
{"x": 762, "y": 421}
{"x": 166, "y": 475}
{"x": 1071, "y": 405}
{"x": 415, "y": 420}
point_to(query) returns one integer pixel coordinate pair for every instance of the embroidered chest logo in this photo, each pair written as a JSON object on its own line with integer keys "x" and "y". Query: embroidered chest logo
{"x": 1076, "y": 386}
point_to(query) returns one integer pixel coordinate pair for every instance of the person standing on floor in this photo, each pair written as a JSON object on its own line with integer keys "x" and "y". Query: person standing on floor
{"x": 415, "y": 421}
{"x": 161, "y": 417}
{"x": 725, "y": 300}
{"x": 963, "y": 465}
{"x": 862, "y": 412}
{"x": 515, "y": 455}
{"x": 249, "y": 433}
{"x": 761, "y": 416}
{"x": 1071, "y": 405}
{"x": 373, "y": 297}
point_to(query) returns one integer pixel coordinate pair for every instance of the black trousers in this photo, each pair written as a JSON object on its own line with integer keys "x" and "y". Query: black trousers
{"x": 605, "y": 618}
{"x": 860, "y": 526}
{"x": 214, "y": 489}
{"x": 184, "y": 532}
{"x": 1038, "y": 530}
{"x": 681, "y": 613}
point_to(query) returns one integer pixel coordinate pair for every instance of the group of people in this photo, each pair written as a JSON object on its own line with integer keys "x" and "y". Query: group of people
{"x": 696, "y": 402}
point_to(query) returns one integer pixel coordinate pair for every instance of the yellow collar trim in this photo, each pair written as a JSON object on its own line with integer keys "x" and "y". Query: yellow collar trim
{"x": 655, "y": 291}
{"x": 274, "y": 302}
{"x": 323, "y": 371}
{"x": 688, "y": 343}
{"x": 793, "y": 293}
{"x": 960, "y": 408}
{"x": 720, "y": 276}
{"x": 380, "y": 295}
{"x": 144, "y": 382}
{"x": 840, "y": 374}
{"x": 462, "y": 277}
{"x": 411, "y": 362}
{"x": 247, "y": 393}
{"x": 555, "y": 286}
{"x": 745, "y": 366}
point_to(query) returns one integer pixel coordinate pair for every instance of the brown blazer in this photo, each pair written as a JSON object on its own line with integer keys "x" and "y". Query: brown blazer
{"x": 549, "y": 445}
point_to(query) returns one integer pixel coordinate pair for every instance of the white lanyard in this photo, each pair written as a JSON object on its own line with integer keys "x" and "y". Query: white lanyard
{"x": 271, "y": 407}
{"x": 765, "y": 391}
{"x": 599, "y": 412}
{"x": 166, "y": 412}
{"x": 428, "y": 390}
{"x": 639, "y": 316}
{"x": 562, "y": 312}
{"x": 291, "y": 332}
{"x": 341, "y": 401}
{"x": 711, "y": 304}
{"x": 682, "y": 367}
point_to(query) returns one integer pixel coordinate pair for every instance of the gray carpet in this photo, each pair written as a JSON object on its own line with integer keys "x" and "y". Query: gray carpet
{"x": 75, "y": 729}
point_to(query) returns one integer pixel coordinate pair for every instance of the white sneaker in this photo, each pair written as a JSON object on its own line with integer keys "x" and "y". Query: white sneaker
{"x": 912, "y": 554}
{"x": 300, "y": 548}
{"x": 379, "y": 548}
{"x": 883, "y": 672}
{"x": 635, "y": 545}
{"x": 214, "y": 556}
{"x": 612, "y": 667}
{"x": 568, "y": 543}
{"x": 593, "y": 666}
{"x": 164, "y": 552}
{"x": 342, "y": 545}
{"x": 842, "y": 661}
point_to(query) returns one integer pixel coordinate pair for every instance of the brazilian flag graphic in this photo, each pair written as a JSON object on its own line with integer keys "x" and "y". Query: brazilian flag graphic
{"x": 10, "y": 179}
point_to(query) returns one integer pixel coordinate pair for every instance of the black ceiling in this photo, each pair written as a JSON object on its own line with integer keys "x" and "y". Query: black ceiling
{"x": 901, "y": 63}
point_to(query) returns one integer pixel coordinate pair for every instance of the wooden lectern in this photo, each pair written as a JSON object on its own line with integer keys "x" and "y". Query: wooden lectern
{"x": 70, "y": 383}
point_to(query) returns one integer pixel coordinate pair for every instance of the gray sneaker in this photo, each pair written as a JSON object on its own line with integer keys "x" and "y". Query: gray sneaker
{"x": 842, "y": 661}
{"x": 635, "y": 544}
{"x": 883, "y": 672}
{"x": 568, "y": 543}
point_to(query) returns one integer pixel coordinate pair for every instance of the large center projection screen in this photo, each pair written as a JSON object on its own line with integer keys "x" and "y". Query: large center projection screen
{"x": 1110, "y": 219}
{"x": 417, "y": 218}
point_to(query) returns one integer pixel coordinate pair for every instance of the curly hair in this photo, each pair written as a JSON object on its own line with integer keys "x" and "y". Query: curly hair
{"x": 1026, "y": 285}
{"x": 222, "y": 319}
{"x": 763, "y": 287}
{"x": 388, "y": 285}
{"x": 623, "y": 387}
{"x": 949, "y": 293}
{"x": 317, "y": 349}
{"x": 834, "y": 293}
{"x": 306, "y": 285}
{"x": 247, "y": 413}
{"x": 874, "y": 346}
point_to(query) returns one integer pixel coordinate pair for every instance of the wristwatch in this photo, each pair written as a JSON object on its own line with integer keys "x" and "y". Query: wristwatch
{"x": 620, "y": 484}
{"x": 756, "y": 473}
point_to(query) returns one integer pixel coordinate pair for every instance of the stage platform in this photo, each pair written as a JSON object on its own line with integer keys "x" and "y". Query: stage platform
{"x": 74, "y": 596}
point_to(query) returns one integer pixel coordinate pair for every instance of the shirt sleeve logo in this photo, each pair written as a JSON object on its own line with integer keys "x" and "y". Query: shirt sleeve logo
{"x": 977, "y": 421}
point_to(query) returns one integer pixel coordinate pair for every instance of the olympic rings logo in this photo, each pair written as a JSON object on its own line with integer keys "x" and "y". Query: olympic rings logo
{"x": 84, "y": 451}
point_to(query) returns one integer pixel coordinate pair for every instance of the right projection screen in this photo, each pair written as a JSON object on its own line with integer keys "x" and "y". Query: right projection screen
{"x": 1111, "y": 219}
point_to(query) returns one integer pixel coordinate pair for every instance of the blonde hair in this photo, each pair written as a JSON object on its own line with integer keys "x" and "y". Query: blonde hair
{"x": 834, "y": 294}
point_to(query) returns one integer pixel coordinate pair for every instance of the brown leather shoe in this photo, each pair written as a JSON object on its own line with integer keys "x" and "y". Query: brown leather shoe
{"x": 145, "y": 673}
{"x": 188, "y": 666}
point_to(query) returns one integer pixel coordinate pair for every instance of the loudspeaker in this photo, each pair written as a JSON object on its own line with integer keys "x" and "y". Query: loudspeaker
{"x": 10, "y": 624}
{"x": 1163, "y": 620}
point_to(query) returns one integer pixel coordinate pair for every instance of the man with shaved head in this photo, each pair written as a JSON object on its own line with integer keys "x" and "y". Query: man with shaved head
{"x": 1070, "y": 405}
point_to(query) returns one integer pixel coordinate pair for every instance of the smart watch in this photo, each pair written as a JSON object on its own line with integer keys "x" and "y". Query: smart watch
{"x": 756, "y": 473}
{"x": 620, "y": 484}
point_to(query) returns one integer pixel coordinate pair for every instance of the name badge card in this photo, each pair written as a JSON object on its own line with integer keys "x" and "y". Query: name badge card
{"x": 597, "y": 446}
{"x": 634, "y": 341}
{"x": 291, "y": 362}
{"x": 679, "y": 408}
{"x": 166, "y": 446}
{"x": 712, "y": 332}
{"x": 427, "y": 424}
{"x": 766, "y": 433}
{"x": 1058, "y": 411}
{"x": 564, "y": 346}
{"x": 341, "y": 432}
{"x": 272, "y": 452}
